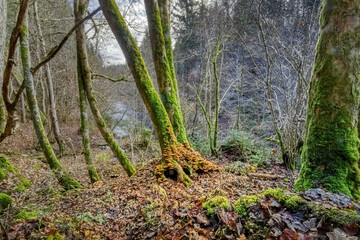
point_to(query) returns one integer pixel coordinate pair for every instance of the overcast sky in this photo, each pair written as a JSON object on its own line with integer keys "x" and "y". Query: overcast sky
{"x": 134, "y": 14}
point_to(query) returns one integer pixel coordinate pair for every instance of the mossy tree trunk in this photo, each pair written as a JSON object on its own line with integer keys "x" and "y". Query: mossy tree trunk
{"x": 61, "y": 174}
{"x": 3, "y": 20}
{"x": 330, "y": 154}
{"x": 80, "y": 7}
{"x": 52, "y": 103}
{"x": 84, "y": 72}
{"x": 159, "y": 31}
{"x": 176, "y": 155}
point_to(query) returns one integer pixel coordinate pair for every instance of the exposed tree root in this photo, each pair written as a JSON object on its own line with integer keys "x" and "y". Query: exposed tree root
{"x": 180, "y": 162}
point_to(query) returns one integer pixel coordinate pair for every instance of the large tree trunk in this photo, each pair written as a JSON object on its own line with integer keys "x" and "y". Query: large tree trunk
{"x": 80, "y": 7}
{"x": 176, "y": 157}
{"x": 61, "y": 174}
{"x": 330, "y": 154}
{"x": 85, "y": 73}
{"x": 159, "y": 30}
{"x": 3, "y": 20}
{"x": 50, "y": 87}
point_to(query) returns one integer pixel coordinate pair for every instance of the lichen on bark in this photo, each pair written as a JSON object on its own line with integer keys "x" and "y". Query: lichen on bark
{"x": 330, "y": 154}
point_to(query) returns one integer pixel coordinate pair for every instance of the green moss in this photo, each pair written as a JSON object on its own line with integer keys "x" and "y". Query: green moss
{"x": 216, "y": 202}
{"x": 276, "y": 193}
{"x": 6, "y": 165}
{"x": 330, "y": 154}
{"x": 25, "y": 215}
{"x": 56, "y": 236}
{"x": 23, "y": 185}
{"x": 243, "y": 203}
{"x": 2, "y": 174}
{"x": 294, "y": 202}
{"x": 5, "y": 201}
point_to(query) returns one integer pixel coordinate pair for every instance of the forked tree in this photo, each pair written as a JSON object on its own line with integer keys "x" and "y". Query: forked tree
{"x": 330, "y": 155}
{"x": 85, "y": 87}
{"x": 179, "y": 160}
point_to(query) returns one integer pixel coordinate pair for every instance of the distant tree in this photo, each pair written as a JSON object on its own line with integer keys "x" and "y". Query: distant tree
{"x": 330, "y": 157}
{"x": 178, "y": 158}
{"x": 50, "y": 86}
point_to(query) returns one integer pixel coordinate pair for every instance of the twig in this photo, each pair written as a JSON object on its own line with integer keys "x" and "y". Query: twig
{"x": 122, "y": 78}
{"x": 4, "y": 231}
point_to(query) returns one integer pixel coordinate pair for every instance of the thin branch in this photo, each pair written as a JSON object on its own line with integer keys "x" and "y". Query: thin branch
{"x": 50, "y": 56}
{"x": 121, "y": 79}
{"x": 57, "y": 48}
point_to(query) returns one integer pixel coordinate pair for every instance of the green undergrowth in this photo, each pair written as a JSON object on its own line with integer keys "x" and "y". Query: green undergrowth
{"x": 27, "y": 215}
{"x": 56, "y": 236}
{"x": 5, "y": 201}
{"x": 242, "y": 147}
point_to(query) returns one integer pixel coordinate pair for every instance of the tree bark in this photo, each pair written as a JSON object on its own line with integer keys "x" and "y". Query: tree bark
{"x": 53, "y": 115}
{"x": 330, "y": 154}
{"x": 80, "y": 7}
{"x": 159, "y": 30}
{"x": 61, "y": 174}
{"x": 176, "y": 157}
{"x": 85, "y": 72}
{"x": 11, "y": 106}
{"x": 3, "y": 20}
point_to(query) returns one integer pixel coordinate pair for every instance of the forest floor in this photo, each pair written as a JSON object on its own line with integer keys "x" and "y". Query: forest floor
{"x": 140, "y": 207}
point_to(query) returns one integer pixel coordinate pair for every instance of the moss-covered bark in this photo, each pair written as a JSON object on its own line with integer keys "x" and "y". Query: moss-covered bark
{"x": 61, "y": 174}
{"x": 80, "y": 7}
{"x": 3, "y": 20}
{"x": 84, "y": 72}
{"x": 159, "y": 30}
{"x": 176, "y": 155}
{"x": 330, "y": 154}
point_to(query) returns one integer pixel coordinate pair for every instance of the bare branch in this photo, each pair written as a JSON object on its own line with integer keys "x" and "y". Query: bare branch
{"x": 121, "y": 79}
{"x": 57, "y": 48}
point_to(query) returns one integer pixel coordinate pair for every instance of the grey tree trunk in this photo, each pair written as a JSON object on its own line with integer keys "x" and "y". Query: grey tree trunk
{"x": 49, "y": 81}
{"x": 61, "y": 174}
{"x": 85, "y": 72}
{"x": 3, "y": 20}
{"x": 80, "y": 7}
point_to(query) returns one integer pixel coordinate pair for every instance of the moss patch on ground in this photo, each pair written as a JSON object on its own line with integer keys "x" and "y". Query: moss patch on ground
{"x": 5, "y": 201}
{"x": 216, "y": 202}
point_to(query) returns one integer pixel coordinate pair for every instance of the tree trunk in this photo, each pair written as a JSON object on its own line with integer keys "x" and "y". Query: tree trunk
{"x": 11, "y": 106}
{"x": 159, "y": 30}
{"x": 176, "y": 157}
{"x": 50, "y": 87}
{"x": 80, "y": 7}
{"x": 330, "y": 154}
{"x": 61, "y": 174}
{"x": 3, "y": 20}
{"x": 85, "y": 72}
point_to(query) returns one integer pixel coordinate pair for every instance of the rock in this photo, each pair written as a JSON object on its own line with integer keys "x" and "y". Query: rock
{"x": 338, "y": 234}
{"x": 311, "y": 223}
